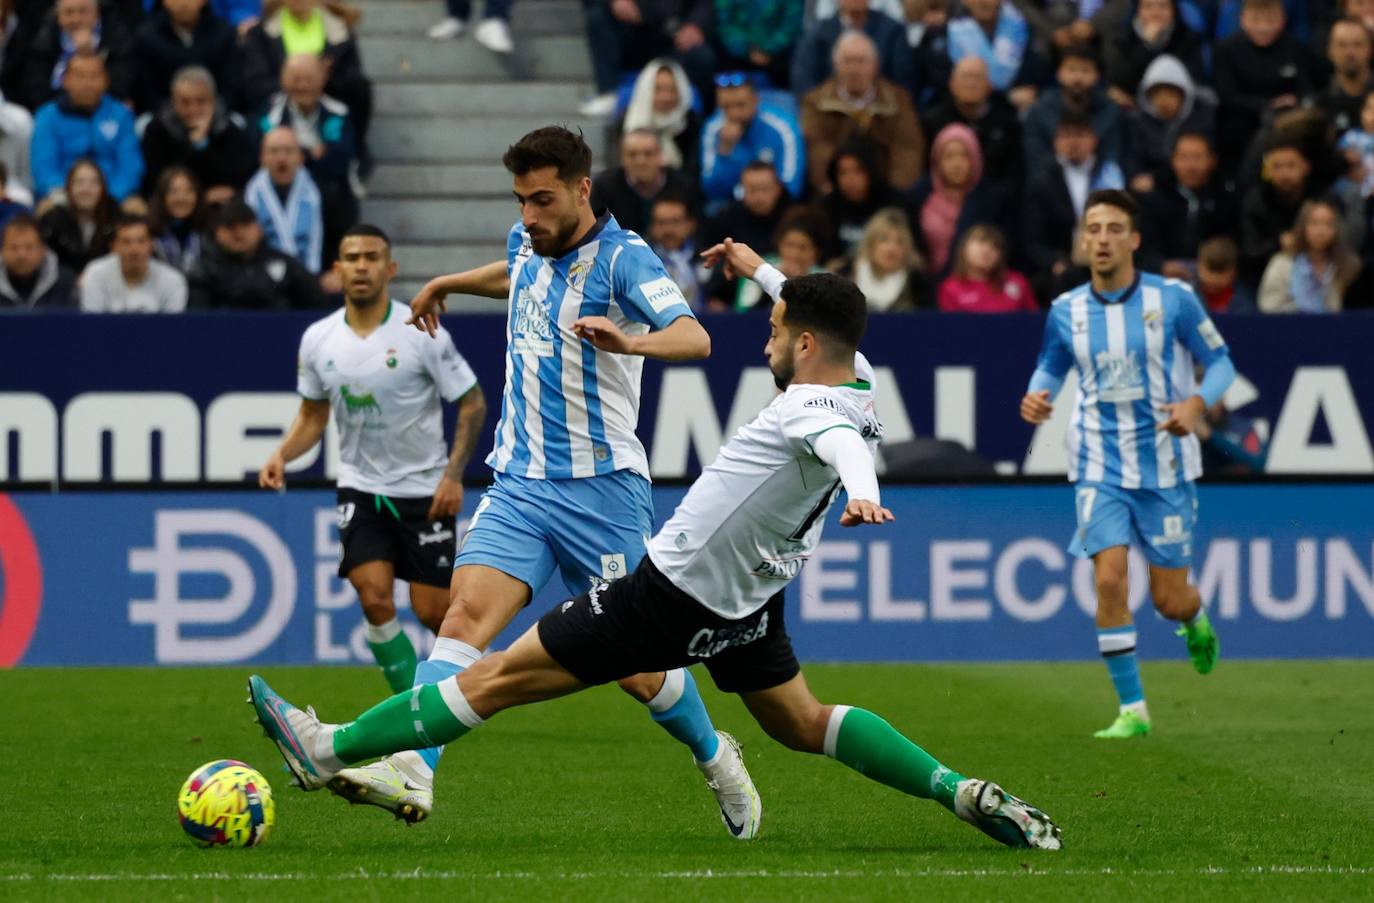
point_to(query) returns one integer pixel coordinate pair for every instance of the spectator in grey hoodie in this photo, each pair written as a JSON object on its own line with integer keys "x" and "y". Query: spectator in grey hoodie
{"x": 30, "y": 277}
{"x": 1167, "y": 105}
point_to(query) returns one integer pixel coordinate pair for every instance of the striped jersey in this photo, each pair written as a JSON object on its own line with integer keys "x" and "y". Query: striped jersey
{"x": 569, "y": 409}
{"x": 1134, "y": 352}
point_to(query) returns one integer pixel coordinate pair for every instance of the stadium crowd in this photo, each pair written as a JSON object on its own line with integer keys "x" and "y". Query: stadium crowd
{"x": 209, "y": 153}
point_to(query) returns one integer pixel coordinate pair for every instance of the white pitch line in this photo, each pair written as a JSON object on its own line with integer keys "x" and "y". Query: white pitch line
{"x": 423, "y": 875}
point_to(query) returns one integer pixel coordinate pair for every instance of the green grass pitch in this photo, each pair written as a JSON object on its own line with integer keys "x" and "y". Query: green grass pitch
{"x": 1258, "y": 784}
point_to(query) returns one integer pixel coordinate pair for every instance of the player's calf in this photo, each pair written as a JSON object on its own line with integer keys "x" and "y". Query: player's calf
{"x": 1175, "y": 599}
{"x": 429, "y": 604}
{"x": 798, "y": 727}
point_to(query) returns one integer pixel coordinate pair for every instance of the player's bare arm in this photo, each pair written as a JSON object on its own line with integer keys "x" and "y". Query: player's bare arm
{"x": 1184, "y": 416}
{"x": 684, "y": 339}
{"x": 305, "y": 431}
{"x": 472, "y": 413}
{"x": 490, "y": 280}
{"x": 1036, "y": 407}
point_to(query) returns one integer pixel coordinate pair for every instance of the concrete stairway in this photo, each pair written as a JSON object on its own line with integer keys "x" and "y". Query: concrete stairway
{"x": 446, "y": 111}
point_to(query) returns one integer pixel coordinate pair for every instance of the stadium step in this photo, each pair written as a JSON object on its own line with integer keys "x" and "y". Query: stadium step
{"x": 391, "y": 58}
{"x": 460, "y": 220}
{"x": 446, "y": 111}
{"x": 475, "y": 139}
{"x": 383, "y": 17}
{"x": 444, "y": 257}
{"x": 449, "y": 98}
{"x": 409, "y": 179}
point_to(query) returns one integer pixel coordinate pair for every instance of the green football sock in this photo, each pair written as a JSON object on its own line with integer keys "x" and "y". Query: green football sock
{"x": 394, "y": 653}
{"x": 416, "y": 719}
{"x": 874, "y": 748}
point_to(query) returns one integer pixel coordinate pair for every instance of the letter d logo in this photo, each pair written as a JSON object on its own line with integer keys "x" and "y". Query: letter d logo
{"x": 169, "y": 559}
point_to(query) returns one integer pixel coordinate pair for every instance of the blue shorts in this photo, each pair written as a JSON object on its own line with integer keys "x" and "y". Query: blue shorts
{"x": 1160, "y": 521}
{"x": 589, "y": 528}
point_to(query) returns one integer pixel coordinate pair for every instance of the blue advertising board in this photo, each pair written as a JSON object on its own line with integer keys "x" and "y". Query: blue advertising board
{"x": 204, "y": 397}
{"x": 965, "y": 573}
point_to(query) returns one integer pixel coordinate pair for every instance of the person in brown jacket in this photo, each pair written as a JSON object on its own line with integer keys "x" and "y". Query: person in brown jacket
{"x": 857, "y": 102}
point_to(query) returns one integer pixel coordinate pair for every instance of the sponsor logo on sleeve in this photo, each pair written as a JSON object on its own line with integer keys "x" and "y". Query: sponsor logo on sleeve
{"x": 826, "y": 402}
{"x": 661, "y": 294}
{"x": 1210, "y": 334}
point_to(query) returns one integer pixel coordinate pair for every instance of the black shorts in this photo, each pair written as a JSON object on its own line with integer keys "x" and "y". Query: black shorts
{"x": 643, "y": 623}
{"x": 381, "y": 528}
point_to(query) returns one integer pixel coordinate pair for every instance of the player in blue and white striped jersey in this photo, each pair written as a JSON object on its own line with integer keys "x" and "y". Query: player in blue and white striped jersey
{"x": 588, "y": 302}
{"x": 1134, "y": 339}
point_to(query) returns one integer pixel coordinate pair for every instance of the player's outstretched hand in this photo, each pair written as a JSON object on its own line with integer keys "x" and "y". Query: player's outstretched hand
{"x": 738, "y": 258}
{"x": 1182, "y": 417}
{"x": 604, "y": 334}
{"x": 1036, "y": 407}
{"x": 273, "y": 473}
{"x": 425, "y": 308}
{"x": 861, "y": 511}
{"x": 448, "y": 499}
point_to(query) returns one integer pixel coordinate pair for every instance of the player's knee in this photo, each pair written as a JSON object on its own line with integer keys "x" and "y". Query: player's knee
{"x": 463, "y": 618}
{"x": 1111, "y": 584}
{"x": 642, "y": 687}
{"x": 377, "y": 603}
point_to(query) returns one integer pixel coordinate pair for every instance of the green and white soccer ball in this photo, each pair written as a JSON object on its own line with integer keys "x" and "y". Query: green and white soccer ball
{"x": 226, "y": 803}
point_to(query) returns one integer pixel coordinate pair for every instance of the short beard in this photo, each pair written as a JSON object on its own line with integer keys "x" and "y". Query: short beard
{"x": 364, "y": 301}
{"x": 783, "y": 374}
{"x": 557, "y": 243}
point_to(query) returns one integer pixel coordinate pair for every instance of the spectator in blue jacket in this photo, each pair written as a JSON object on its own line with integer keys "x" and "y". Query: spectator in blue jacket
{"x": 812, "y": 63}
{"x": 1079, "y": 90}
{"x": 743, "y": 130}
{"x": 324, "y": 128}
{"x": 85, "y": 122}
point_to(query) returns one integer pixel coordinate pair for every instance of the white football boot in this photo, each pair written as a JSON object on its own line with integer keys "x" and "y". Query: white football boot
{"x": 740, "y": 806}
{"x": 401, "y": 784}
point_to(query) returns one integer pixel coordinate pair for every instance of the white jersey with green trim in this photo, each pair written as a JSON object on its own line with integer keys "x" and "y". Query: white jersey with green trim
{"x": 754, "y": 516}
{"x": 385, "y": 391}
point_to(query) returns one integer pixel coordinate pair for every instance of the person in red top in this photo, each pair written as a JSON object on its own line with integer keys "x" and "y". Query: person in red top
{"x": 981, "y": 282}
{"x": 1217, "y": 274}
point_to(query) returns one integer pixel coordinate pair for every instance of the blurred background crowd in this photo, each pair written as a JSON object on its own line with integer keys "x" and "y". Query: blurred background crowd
{"x": 209, "y": 153}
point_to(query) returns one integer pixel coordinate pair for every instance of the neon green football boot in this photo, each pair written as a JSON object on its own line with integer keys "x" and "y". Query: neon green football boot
{"x": 1203, "y": 645}
{"x": 1126, "y": 725}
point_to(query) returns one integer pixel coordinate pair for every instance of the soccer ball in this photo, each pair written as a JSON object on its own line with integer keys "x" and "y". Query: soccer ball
{"x": 226, "y": 803}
